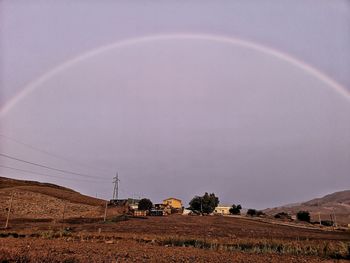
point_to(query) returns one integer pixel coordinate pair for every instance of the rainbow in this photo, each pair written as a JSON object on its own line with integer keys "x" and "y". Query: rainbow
{"x": 222, "y": 39}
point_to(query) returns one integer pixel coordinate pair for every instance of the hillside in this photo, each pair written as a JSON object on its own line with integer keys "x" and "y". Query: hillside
{"x": 43, "y": 200}
{"x": 339, "y": 202}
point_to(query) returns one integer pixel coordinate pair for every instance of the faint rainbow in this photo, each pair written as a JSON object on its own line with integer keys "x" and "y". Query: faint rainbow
{"x": 222, "y": 39}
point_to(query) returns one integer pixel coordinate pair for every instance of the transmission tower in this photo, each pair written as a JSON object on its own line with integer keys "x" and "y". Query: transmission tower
{"x": 116, "y": 187}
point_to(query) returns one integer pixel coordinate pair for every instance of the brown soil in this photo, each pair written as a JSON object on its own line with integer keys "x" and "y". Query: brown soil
{"x": 41, "y": 200}
{"x": 37, "y": 233}
{"x": 145, "y": 240}
{"x": 219, "y": 227}
{"x": 59, "y": 250}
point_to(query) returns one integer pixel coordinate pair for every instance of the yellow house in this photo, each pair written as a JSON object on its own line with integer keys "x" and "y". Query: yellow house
{"x": 173, "y": 202}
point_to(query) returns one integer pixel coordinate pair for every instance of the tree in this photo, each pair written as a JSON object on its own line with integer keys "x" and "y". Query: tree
{"x": 327, "y": 223}
{"x": 145, "y": 204}
{"x": 303, "y": 216}
{"x": 283, "y": 215}
{"x": 204, "y": 204}
{"x": 235, "y": 209}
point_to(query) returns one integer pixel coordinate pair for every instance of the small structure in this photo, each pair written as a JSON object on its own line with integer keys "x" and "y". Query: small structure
{"x": 160, "y": 206}
{"x": 222, "y": 210}
{"x": 157, "y": 212}
{"x": 133, "y": 206}
{"x": 186, "y": 211}
{"x": 139, "y": 213}
{"x": 133, "y": 203}
{"x": 119, "y": 202}
{"x": 165, "y": 208}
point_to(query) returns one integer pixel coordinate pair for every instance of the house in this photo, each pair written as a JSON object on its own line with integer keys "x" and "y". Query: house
{"x": 173, "y": 203}
{"x": 165, "y": 208}
{"x": 222, "y": 210}
{"x": 133, "y": 206}
{"x": 133, "y": 203}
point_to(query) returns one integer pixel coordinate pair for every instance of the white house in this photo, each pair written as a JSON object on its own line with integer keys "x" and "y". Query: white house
{"x": 222, "y": 209}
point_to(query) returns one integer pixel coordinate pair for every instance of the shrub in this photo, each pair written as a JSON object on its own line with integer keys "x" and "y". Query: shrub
{"x": 260, "y": 213}
{"x": 251, "y": 212}
{"x": 326, "y": 222}
{"x": 254, "y": 212}
{"x": 283, "y": 215}
{"x": 235, "y": 210}
{"x": 303, "y": 216}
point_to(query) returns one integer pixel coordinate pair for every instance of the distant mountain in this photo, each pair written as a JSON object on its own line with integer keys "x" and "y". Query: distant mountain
{"x": 342, "y": 197}
{"x": 339, "y": 202}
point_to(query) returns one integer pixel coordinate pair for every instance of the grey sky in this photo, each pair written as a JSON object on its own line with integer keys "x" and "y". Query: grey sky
{"x": 179, "y": 117}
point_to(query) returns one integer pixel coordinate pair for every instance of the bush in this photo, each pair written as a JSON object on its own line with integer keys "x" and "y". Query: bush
{"x": 260, "y": 213}
{"x": 326, "y": 222}
{"x": 235, "y": 210}
{"x": 303, "y": 216}
{"x": 251, "y": 212}
{"x": 283, "y": 215}
{"x": 254, "y": 212}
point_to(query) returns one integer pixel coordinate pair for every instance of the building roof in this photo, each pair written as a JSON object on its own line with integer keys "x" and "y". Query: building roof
{"x": 172, "y": 198}
{"x": 224, "y": 205}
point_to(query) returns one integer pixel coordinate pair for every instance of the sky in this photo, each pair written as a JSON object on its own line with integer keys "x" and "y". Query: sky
{"x": 249, "y": 100}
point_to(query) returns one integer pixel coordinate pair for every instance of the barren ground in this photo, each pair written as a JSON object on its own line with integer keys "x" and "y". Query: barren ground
{"x": 169, "y": 239}
{"x": 37, "y": 233}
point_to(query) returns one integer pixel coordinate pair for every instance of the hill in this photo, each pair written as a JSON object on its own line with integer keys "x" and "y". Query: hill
{"x": 43, "y": 200}
{"x": 338, "y": 202}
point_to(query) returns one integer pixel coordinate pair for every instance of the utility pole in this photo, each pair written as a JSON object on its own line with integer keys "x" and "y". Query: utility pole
{"x": 202, "y": 205}
{"x": 64, "y": 211}
{"x": 116, "y": 187}
{"x": 9, "y": 212}
{"x": 319, "y": 217}
{"x": 105, "y": 216}
{"x": 335, "y": 219}
{"x": 332, "y": 219}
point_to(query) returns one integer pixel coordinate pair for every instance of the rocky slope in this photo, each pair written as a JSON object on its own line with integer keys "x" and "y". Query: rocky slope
{"x": 338, "y": 202}
{"x": 42, "y": 200}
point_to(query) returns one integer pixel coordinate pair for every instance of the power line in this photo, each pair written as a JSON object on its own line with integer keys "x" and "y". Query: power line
{"x": 54, "y": 176}
{"x": 49, "y": 153}
{"x": 47, "y": 167}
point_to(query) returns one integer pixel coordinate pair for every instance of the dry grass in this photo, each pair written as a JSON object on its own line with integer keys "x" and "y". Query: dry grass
{"x": 326, "y": 249}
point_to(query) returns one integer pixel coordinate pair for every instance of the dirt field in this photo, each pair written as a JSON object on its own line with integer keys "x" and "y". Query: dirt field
{"x": 37, "y": 233}
{"x": 169, "y": 239}
{"x": 127, "y": 251}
